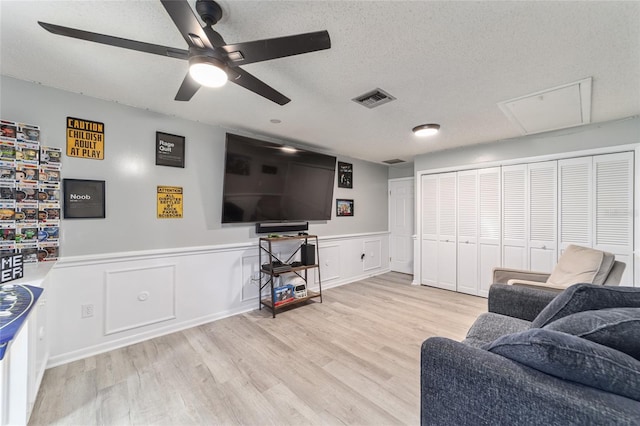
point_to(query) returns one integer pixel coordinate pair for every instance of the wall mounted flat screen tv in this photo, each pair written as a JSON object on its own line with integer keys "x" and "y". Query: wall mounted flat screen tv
{"x": 264, "y": 182}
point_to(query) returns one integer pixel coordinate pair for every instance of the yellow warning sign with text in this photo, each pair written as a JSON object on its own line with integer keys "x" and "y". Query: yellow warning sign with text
{"x": 170, "y": 202}
{"x": 85, "y": 138}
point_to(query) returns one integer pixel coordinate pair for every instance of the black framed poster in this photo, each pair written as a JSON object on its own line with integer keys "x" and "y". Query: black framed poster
{"x": 345, "y": 175}
{"x": 169, "y": 150}
{"x": 344, "y": 207}
{"x": 83, "y": 198}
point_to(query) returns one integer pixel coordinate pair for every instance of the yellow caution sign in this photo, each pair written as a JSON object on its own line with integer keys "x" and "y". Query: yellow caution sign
{"x": 85, "y": 138}
{"x": 170, "y": 202}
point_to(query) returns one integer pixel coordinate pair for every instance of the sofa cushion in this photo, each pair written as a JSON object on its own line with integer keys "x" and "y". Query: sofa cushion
{"x": 489, "y": 326}
{"x": 581, "y": 265}
{"x": 617, "y": 328}
{"x": 573, "y": 358}
{"x": 587, "y": 297}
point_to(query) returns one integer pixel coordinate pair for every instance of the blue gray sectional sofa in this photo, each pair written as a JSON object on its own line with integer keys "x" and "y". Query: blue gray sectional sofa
{"x": 539, "y": 358}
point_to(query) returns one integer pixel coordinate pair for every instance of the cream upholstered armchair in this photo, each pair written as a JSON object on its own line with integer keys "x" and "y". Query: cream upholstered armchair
{"x": 576, "y": 265}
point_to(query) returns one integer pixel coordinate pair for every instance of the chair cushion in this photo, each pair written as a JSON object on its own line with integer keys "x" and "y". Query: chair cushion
{"x": 573, "y": 358}
{"x": 617, "y": 328}
{"x": 587, "y": 297}
{"x": 581, "y": 265}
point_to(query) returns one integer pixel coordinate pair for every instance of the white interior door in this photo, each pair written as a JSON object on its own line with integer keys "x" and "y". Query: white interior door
{"x": 401, "y": 223}
{"x": 490, "y": 215}
{"x": 429, "y": 230}
{"x": 543, "y": 213}
{"x": 447, "y": 266}
{"x": 467, "y": 256}
{"x": 575, "y": 198}
{"x": 514, "y": 217}
{"x": 613, "y": 210}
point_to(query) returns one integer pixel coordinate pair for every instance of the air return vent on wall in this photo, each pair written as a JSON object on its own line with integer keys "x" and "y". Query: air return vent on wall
{"x": 374, "y": 98}
{"x": 560, "y": 107}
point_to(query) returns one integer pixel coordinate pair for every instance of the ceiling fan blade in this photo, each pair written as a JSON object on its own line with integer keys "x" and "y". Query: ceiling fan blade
{"x": 116, "y": 41}
{"x": 272, "y": 48}
{"x": 188, "y": 88}
{"x": 187, "y": 23}
{"x": 249, "y": 82}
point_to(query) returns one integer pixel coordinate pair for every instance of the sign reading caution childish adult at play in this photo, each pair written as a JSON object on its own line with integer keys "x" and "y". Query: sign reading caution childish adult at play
{"x": 169, "y": 202}
{"x": 85, "y": 138}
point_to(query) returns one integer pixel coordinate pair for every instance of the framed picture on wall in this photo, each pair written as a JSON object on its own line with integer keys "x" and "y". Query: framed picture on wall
{"x": 169, "y": 150}
{"x": 345, "y": 175}
{"x": 344, "y": 207}
{"x": 84, "y": 199}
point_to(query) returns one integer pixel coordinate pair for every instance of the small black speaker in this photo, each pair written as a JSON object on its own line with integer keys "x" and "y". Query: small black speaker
{"x": 308, "y": 254}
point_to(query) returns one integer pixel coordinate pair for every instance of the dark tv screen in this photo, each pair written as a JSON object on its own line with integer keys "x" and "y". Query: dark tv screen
{"x": 263, "y": 183}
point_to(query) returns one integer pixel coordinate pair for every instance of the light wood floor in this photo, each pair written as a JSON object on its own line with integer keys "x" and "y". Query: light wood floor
{"x": 354, "y": 359}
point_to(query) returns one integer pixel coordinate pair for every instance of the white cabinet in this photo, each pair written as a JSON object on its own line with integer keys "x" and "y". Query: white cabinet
{"x": 489, "y": 216}
{"x": 467, "y": 257}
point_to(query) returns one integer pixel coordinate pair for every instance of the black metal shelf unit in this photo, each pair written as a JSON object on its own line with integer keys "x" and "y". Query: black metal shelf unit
{"x": 274, "y": 267}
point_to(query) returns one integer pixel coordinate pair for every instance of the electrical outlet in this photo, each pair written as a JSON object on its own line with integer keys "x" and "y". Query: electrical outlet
{"x": 86, "y": 311}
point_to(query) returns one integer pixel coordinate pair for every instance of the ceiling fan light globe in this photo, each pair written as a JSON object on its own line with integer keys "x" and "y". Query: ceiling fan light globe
{"x": 208, "y": 75}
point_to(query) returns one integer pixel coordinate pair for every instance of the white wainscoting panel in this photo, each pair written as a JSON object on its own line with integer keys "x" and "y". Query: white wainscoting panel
{"x": 180, "y": 288}
{"x": 373, "y": 255}
{"x": 134, "y": 298}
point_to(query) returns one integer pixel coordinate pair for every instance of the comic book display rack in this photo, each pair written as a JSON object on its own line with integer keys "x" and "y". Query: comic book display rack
{"x": 30, "y": 193}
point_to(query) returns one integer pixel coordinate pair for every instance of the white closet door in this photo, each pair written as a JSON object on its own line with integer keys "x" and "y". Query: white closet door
{"x": 514, "y": 217}
{"x": 543, "y": 213}
{"x": 489, "y": 214}
{"x": 613, "y": 211}
{"x": 447, "y": 231}
{"x": 429, "y": 230}
{"x": 467, "y": 257}
{"x": 575, "y": 198}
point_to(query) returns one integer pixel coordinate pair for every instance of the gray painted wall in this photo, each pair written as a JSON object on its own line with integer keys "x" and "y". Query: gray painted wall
{"x": 620, "y": 132}
{"x": 402, "y": 171}
{"x": 132, "y": 177}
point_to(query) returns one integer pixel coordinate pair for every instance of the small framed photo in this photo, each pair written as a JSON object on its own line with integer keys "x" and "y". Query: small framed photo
{"x": 84, "y": 199}
{"x": 169, "y": 150}
{"x": 344, "y": 207}
{"x": 345, "y": 175}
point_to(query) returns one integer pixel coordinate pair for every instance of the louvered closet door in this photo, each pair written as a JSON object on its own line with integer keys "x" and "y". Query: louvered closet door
{"x": 514, "y": 217}
{"x": 613, "y": 211}
{"x": 542, "y": 203}
{"x": 447, "y": 231}
{"x": 429, "y": 229}
{"x": 575, "y": 197}
{"x": 467, "y": 256}
{"x": 489, "y": 215}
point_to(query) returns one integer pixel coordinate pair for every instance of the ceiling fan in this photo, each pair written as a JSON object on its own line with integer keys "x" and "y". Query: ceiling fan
{"x": 211, "y": 60}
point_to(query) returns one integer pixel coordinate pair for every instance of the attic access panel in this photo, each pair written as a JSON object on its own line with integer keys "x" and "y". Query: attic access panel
{"x": 560, "y": 107}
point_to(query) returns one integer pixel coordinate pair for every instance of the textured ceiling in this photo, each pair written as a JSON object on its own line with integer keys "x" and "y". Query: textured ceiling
{"x": 445, "y": 62}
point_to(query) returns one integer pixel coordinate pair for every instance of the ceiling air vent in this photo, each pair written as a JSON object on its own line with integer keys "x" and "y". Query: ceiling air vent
{"x": 394, "y": 161}
{"x": 374, "y": 98}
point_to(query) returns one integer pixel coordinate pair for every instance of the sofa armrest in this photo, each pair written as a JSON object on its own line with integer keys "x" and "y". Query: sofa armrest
{"x": 518, "y": 301}
{"x": 462, "y": 385}
{"x": 502, "y": 275}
